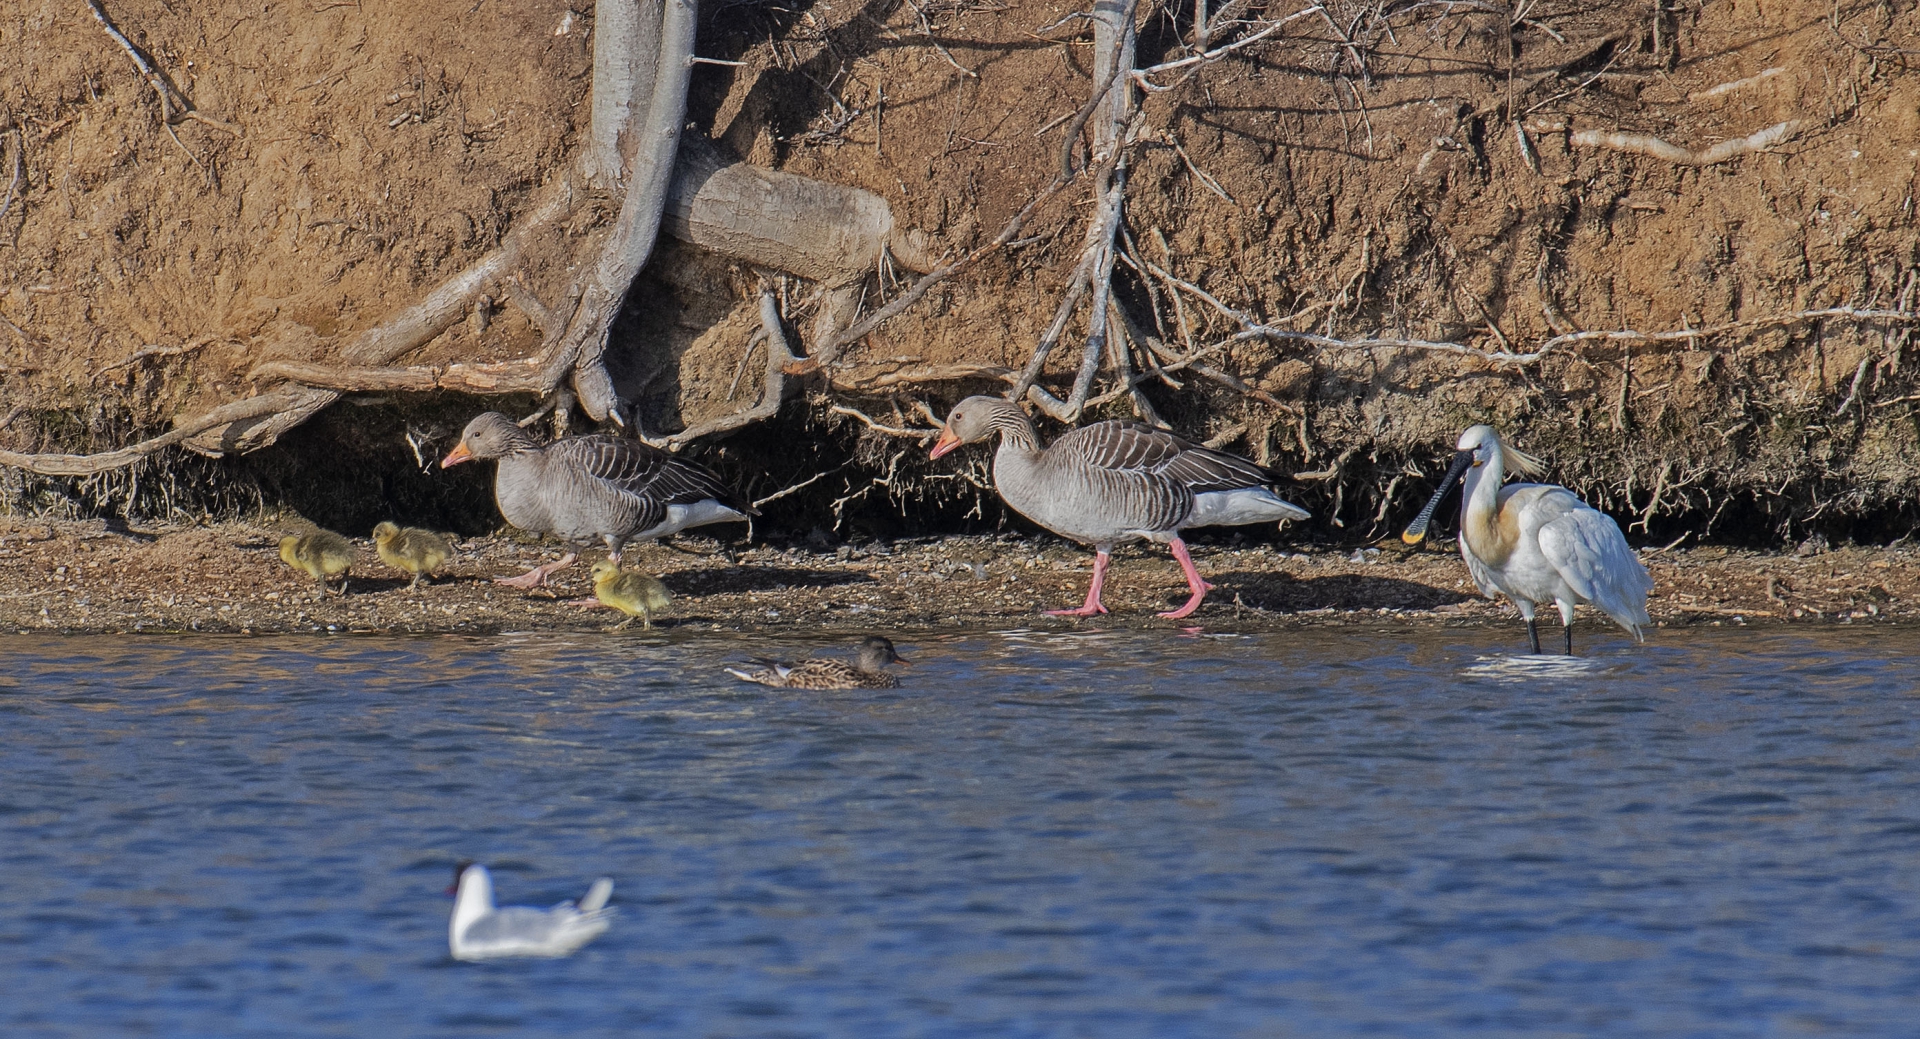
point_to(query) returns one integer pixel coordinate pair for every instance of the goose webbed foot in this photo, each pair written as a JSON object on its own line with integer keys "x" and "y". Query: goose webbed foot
{"x": 1195, "y": 583}
{"x": 1092, "y": 606}
{"x": 536, "y": 577}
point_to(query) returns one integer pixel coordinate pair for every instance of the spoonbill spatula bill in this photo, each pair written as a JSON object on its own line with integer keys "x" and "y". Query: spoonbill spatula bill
{"x": 1535, "y": 542}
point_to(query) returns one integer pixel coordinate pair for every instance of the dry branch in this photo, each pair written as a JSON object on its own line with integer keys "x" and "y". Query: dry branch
{"x": 1642, "y": 144}
{"x": 87, "y": 465}
{"x": 174, "y": 105}
{"x": 496, "y": 378}
{"x": 13, "y": 184}
{"x": 773, "y": 389}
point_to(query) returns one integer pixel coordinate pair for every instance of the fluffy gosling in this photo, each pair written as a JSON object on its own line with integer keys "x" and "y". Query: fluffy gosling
{"x": 320, "y": 555}
{"x": 636, "y": 595}
{"x": 418, "y": 552}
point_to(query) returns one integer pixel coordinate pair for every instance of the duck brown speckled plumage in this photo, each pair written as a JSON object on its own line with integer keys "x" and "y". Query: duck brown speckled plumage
{"x": 595, "y": 487}
{"x": 867, "y": 672}
{"x": 418, "y": 552}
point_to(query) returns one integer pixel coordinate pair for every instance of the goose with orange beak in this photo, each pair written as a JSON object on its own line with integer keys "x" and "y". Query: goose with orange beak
{"x": 583, "y": 489}
{"x": 1536, "y": 543}
{"x": 1116, "y": 481}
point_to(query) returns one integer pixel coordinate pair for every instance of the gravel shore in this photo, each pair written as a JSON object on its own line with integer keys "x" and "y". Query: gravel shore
{"x": 90, "y": 577}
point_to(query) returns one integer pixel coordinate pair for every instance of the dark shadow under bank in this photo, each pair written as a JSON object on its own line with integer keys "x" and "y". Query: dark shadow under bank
{"x": 368, "y": 459}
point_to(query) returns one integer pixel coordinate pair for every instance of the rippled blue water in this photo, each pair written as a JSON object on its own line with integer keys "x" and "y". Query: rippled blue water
{"x": 1144, "y": 835}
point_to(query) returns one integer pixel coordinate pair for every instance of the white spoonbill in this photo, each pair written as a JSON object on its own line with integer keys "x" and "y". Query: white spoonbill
{"x": 478, "y": 931}
{"x": 1535, "y": 542}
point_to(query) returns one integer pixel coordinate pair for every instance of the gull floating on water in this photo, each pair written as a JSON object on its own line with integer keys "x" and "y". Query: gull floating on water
{"x": 478, "y": 931}
{"x": 1536, "y": 542}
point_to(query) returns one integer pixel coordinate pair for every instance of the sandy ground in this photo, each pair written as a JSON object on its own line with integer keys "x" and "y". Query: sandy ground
{"x": 90, "y": 577}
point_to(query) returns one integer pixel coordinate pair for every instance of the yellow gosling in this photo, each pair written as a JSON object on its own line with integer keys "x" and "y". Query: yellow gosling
{"x": 636, "y": 595}
{"x": 418, "y": 552}
{"x": 320, "y": 555}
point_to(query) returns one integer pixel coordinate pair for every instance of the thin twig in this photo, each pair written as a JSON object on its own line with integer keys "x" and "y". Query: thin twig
{"x": 174, "y": 105}
{"x": 13, "y": 187}
{"x": 1143, "y": 76}
{"x": 159, "y": 351}
{"x": 907, "y": 432}
{"x": 808, "y": 482}
{"x": 926, "y": 29}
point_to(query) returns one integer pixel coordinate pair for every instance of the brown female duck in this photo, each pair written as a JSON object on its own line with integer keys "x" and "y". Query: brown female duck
{"x": 867, "y": 672}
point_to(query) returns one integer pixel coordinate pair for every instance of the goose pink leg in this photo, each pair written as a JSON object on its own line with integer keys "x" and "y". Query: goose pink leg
{"x": 1100, "y": 559}
{"x": 1200, "y": 587}
{"x": 536, "y": 577}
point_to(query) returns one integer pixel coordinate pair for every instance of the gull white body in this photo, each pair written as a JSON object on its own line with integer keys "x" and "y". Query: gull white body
{"x": 479, "y": 931}
{"x": 1539, "y": 543}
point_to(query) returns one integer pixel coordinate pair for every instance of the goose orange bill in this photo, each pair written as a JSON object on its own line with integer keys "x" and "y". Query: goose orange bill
{"x": 947, "y": 442}
{"x": 1417, "y": 530}
{"x": 456, "y": 456}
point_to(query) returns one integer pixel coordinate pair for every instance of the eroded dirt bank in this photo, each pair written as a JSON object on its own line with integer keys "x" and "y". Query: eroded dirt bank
{"x": 89, "y": 577}
{"x": 1429, "y": 171}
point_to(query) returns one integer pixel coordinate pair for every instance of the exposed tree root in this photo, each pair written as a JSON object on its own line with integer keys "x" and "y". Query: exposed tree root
{"x": 1642, "y": 144}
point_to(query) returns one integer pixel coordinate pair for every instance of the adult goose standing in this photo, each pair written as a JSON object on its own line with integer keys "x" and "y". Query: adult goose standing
{"x": 1114, "y": 481}
{"x": 1536, "y": 542}
{"x": 581, "y": 488}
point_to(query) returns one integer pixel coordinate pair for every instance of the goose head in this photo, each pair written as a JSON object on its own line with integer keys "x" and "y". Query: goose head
{"x": 973, "y": 420}
{"x": 384, "y": 532}
{"x": 491, "y": 435}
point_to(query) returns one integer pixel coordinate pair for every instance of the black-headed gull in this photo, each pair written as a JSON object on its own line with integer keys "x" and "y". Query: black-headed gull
{"x": 478, "y": 931}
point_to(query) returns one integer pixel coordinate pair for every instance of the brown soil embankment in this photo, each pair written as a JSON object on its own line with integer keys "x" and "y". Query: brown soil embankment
{"x": 90, "y": 577}
{"x": 1425, "y": 171}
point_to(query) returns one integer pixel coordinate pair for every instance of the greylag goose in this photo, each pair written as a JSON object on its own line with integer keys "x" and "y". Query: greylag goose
{"x": 418, "y": 552}
{"x": 1536, "y": 542}
{"x": 636, "y": 595}
{"x": 869, "y": 671}
{"x": 478, "y": 931}
{"x": 581, "y": 488}
{"x": 1114, "y": 481}
{"x": 320, "y": 555}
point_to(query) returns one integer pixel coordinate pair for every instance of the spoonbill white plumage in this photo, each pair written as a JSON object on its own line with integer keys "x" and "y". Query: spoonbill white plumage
{"x": 1535, "y": 542}
{"x": 478, "y": 931}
